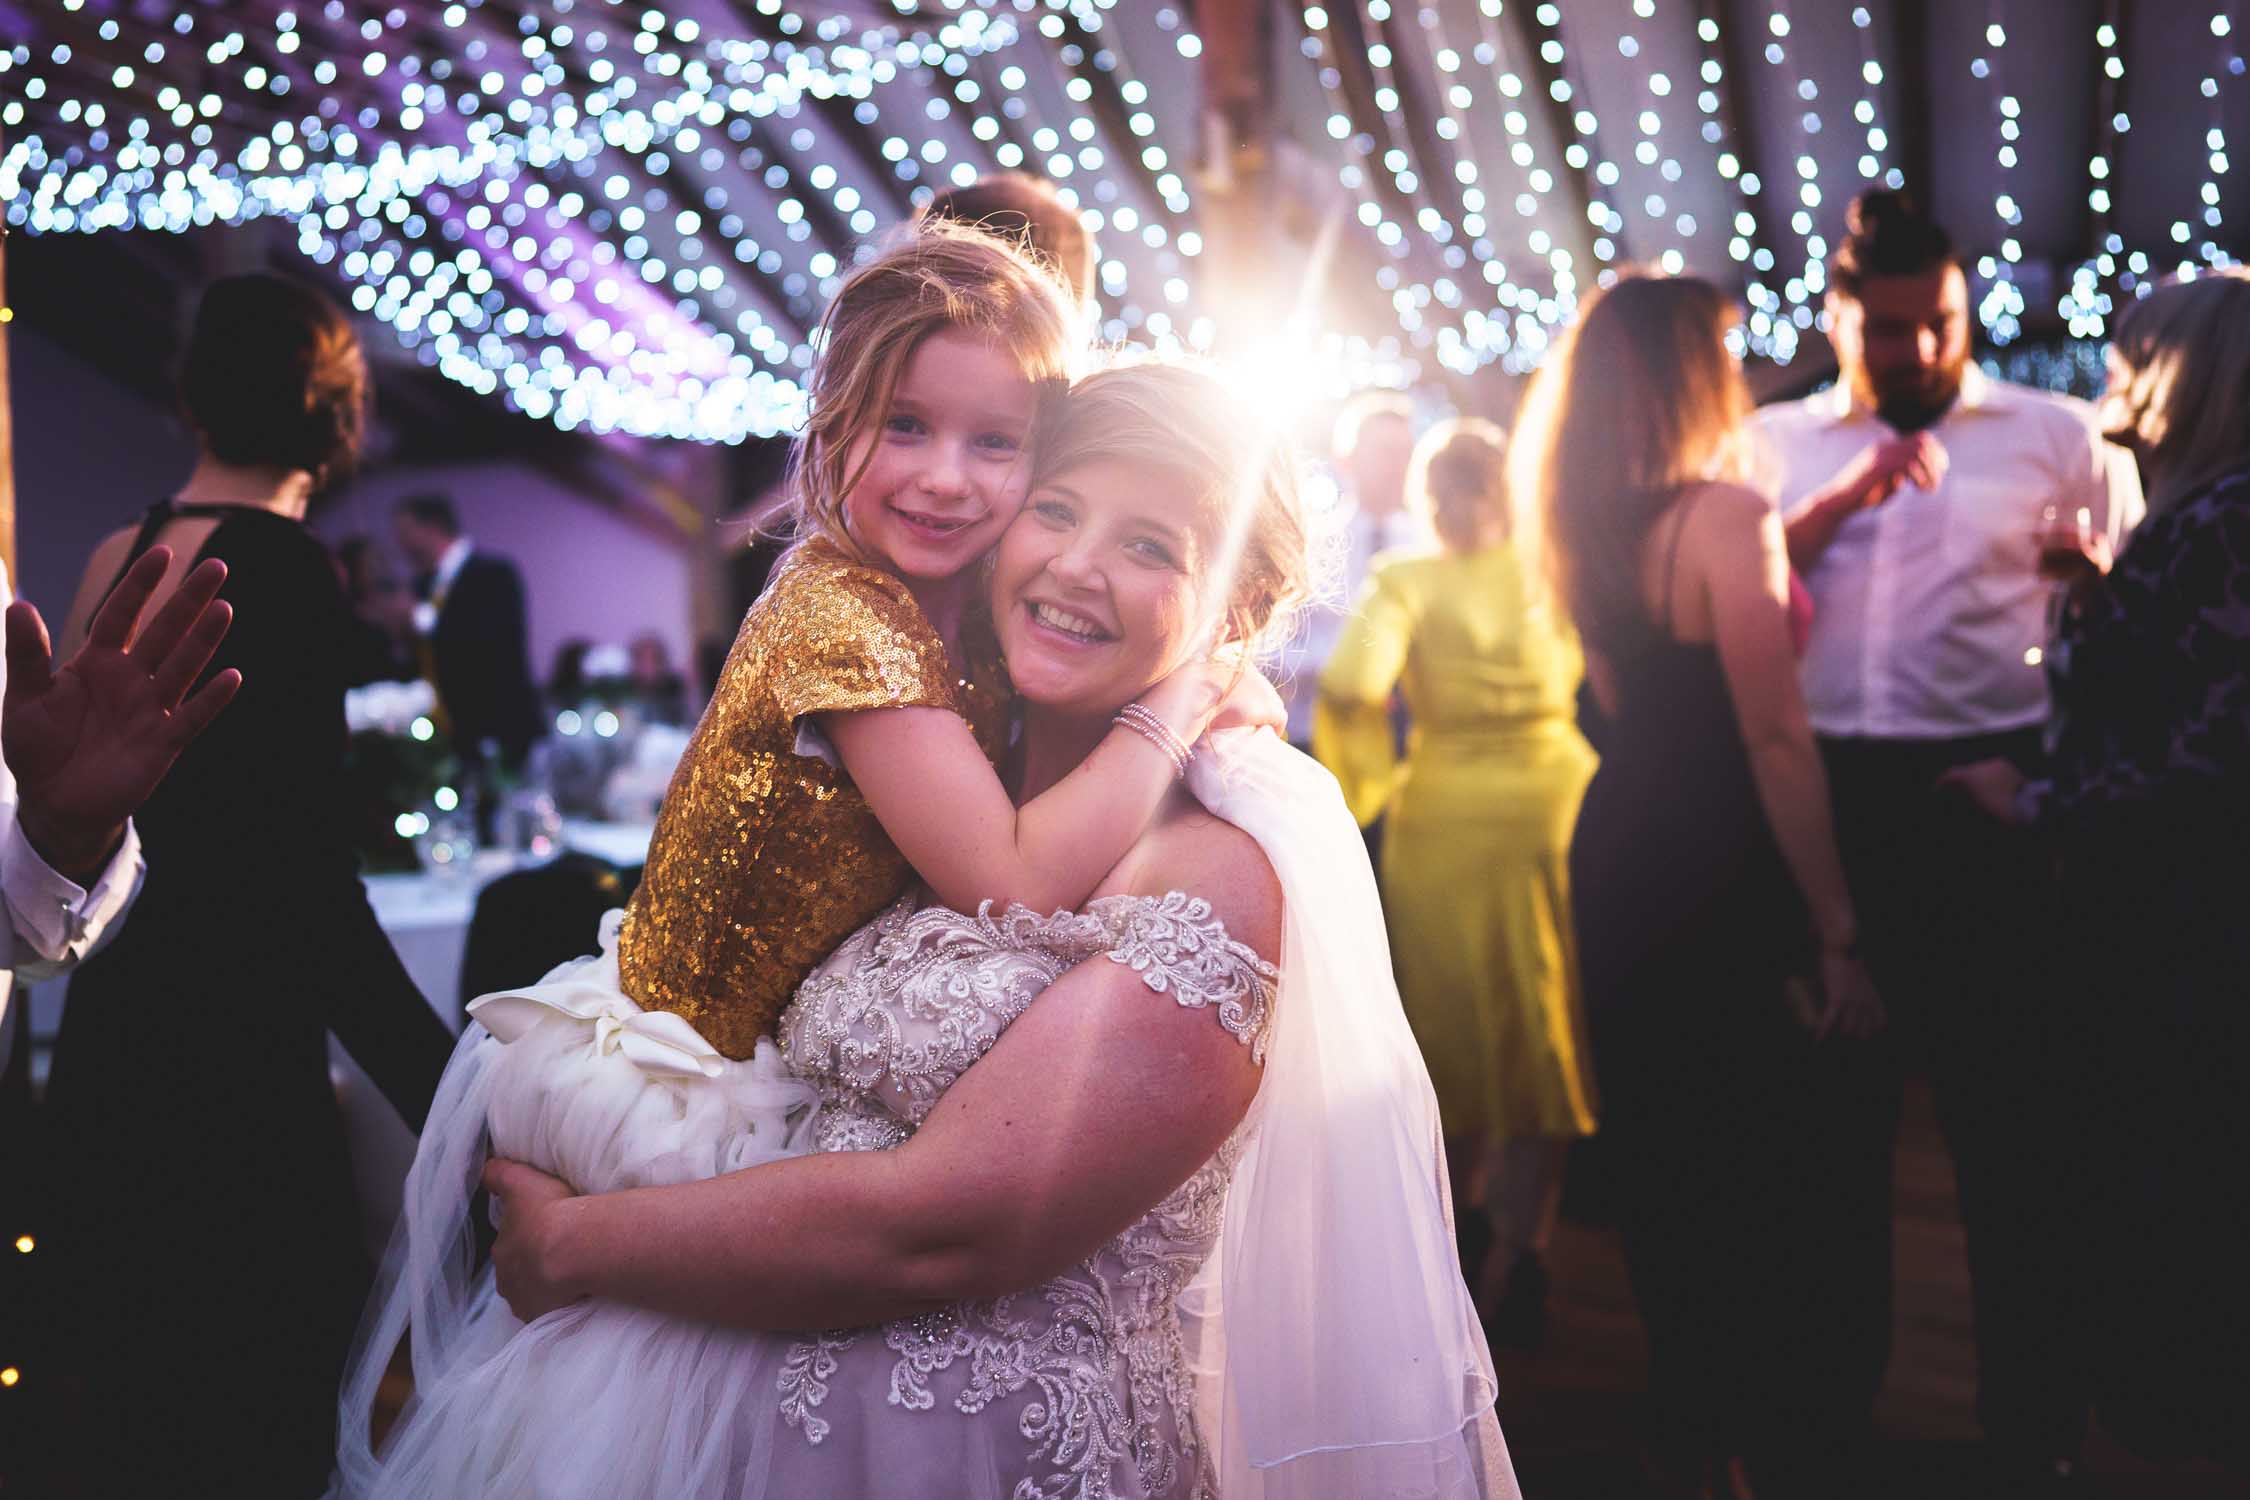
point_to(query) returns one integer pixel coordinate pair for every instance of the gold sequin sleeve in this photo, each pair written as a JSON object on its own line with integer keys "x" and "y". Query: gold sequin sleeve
{"x": 764, "y": 859}
{"x": 867, "y": 646}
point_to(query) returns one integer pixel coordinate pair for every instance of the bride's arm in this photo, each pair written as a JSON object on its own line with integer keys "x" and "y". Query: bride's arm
{"x": 1098, "y": 1102}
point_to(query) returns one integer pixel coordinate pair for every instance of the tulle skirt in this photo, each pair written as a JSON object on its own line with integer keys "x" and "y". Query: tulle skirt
{"x": 594, "y": 1399}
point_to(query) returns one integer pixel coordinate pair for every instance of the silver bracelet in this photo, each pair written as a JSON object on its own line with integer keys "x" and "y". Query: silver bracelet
{"x": 1138, "y": 718}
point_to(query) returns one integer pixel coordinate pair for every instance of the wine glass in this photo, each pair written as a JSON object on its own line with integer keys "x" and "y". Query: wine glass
{"x": 2071, "y": 553}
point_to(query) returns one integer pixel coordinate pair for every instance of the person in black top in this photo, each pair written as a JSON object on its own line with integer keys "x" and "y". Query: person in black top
{"x": 207, "y": 1257}
{"x": 1705, "y": 887}
{"x": 471, "y": 620}
{"x": 2144, "y": 807}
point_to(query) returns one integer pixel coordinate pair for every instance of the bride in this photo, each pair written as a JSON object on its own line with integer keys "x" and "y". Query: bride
{"x": 1144, "y": 1200}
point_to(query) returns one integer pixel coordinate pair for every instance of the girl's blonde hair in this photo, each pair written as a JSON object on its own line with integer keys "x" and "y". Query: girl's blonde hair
{"x": 2183, "y": 381}
{"x": 1638, "y": 402}
{"x": 1459, "y": 483}
{"x": 1182, "y": 420}
{"x": 940, "y": 276}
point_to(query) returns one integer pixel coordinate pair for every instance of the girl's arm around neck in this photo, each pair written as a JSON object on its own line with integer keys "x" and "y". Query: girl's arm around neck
{"x": 942, "y": 803}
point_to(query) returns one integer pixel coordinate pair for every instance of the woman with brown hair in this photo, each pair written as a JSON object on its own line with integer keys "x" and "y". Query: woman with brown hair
{"x": 1703, "y": 871}
{"x": 2146, "y": 807}
{"x": 203, "y": 1233}
{"x": 1475, "y": 859}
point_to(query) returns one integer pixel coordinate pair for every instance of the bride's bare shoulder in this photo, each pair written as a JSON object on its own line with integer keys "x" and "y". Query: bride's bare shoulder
{"x": 1189, "y": 850}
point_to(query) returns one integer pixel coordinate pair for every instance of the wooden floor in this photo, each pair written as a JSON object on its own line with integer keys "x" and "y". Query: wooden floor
{"x": 1570, "y": 1411}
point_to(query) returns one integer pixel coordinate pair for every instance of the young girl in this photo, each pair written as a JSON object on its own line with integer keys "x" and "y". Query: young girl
{"x": 847, "y": 749}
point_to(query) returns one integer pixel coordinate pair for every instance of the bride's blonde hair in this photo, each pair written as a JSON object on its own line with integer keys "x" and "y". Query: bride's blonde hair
{"x": 1181, "y": 419}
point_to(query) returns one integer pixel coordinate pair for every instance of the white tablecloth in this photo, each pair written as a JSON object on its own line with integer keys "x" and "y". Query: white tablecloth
{"x": 426, "y": 916}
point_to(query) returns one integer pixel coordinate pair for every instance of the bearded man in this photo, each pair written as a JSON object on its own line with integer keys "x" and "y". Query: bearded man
{"x": 1922, "y": 500}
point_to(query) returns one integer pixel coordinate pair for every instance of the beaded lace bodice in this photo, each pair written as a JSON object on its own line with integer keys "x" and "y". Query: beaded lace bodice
{"x": 1086, "y": 1374}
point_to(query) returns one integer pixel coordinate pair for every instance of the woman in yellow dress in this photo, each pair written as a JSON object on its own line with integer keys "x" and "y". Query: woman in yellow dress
{"x": 1476, "y": 843}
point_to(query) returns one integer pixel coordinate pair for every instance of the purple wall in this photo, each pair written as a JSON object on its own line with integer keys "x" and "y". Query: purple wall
{"x": 90, "y": 457}
{"x": 589, "y": 570}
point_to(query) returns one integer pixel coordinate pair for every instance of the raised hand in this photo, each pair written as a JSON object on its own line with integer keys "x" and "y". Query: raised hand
{"x": 89, "y": 740}
{"x": 1872, "y": 477}
{"x": 1883, "y": 468}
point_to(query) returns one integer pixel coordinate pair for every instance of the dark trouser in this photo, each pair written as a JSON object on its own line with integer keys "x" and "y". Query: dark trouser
{"x": 1958, "y": 921}
{"x": 1735, "y": 1135}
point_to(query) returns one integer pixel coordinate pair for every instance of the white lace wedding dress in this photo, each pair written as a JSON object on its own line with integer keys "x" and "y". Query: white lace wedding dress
{"x": 1109, "y": 1382}
{"x": 1075, "y": 1388}
{"x": 1078, "y": 1387}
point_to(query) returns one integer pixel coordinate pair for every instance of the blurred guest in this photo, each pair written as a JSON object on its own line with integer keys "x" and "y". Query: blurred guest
{"x": 567, "y": 683}
{"x": 1018, "y": 205}
{"x": 382, "y": 614}
{"x": 1913, "y": 494}
{"x": 659, "y": 692}
{"x": 1476, "y": 859}
{"x": 206, "y": 1236}
{"x": 1374, "y": 443}
{"x": 471, "y": 621}
{"x": 2145, "y": 805}
{"x": 1703, "y": 874}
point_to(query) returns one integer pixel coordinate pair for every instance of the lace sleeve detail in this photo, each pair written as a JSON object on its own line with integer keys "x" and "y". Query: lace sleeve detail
{"x": 1178, "y": 947}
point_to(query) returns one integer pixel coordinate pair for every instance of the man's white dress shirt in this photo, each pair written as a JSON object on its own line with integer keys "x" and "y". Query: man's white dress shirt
{"x": 1929, "y": 611}
{"x": 1358, "y": 537}
{"x": 52, "y": 922}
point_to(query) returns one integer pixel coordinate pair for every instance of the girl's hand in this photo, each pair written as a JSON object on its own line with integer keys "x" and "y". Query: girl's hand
{"x": 1251, "y": 703}
{"x": 1853, "y": 1009}
{"x": 1215, "y": 693}
{"x": 529, "y": 1206}
{"x": 1190, "y": 695}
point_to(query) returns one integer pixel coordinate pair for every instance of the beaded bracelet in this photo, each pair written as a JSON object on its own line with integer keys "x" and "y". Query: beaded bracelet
{"x": 1141, "y": 721}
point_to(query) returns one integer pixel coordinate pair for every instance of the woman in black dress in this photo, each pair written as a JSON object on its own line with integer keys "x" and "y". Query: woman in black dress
{"x": 205, "y": 1235}
{"x": 2146, "y": 807}
{"x": 1704, "y": 871}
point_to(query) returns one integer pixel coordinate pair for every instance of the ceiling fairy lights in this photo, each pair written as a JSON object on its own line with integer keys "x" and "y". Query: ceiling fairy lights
{"x": 626, "y": 217}
{"x": 2210, "y": 218}
{"x": 1868, "y": 108}
{"x": 2087, "y": 304}
{"x": 1517, "y": 328}
{"x": 592, "y": 210}
{"x": 2001, "y": 307}
{"x": 1433, "y": 307}
{"x": 1801, "y": 290}
{"x": 1745, "y": 243}
{"x": 1679, "y": 225}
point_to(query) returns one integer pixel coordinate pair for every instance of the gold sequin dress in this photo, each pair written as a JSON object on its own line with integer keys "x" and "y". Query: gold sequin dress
{"x": 766, "y": 856}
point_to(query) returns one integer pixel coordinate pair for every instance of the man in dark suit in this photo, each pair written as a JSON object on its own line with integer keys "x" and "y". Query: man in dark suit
{"x": 470, "y": 621}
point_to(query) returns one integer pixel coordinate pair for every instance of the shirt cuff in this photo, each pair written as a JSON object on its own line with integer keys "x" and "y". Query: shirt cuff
{"x": 56, "y": 920}
{"x": 2031, "y": 801}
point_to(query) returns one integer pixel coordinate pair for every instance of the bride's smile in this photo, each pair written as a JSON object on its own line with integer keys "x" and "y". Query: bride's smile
{"x": 1097, "y": 585}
